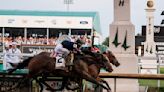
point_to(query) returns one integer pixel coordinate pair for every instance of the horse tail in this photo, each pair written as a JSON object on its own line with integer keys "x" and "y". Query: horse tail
{"x": 24, "y": 63}
{"x": 20, "y": 65}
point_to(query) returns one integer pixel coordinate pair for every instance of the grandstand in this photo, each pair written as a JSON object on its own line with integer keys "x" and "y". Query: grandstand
{"x": 43, "y": 27}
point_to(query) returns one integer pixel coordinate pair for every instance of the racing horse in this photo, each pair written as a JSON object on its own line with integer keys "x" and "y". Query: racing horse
{"x": 94, "y": 69}
{"x": 42, "y": 63}
{"x": 112, "y": 58}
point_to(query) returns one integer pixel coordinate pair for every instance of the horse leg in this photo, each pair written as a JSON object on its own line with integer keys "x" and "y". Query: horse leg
{"x": 103, "y": 81}
{"x": 88, "y": 77}
{"x": 78, "y": 87}
{"x": 40, "y": 84}
{"x": 64, "y": 83}
{"x": 81, "y": 85}
{"x": 106, "y": 83}
{"x": 98, "y": 89}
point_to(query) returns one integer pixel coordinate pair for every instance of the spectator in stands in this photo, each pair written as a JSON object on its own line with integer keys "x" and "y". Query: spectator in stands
{"x": 6, "y": 58}
{"x": 14, "y": 55}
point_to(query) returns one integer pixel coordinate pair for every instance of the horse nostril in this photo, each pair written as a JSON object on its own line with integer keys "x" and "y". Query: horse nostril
{"x": 110, "y": 70}
{"x": 118, "y": 64}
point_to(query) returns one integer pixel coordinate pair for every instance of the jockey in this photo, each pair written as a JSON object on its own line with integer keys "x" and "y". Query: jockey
{"x": 95, "y": 49}
{"x": 62, "y": 49}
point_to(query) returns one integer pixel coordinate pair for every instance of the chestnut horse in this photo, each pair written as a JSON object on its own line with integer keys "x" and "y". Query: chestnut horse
{"x": 42, "y": 63}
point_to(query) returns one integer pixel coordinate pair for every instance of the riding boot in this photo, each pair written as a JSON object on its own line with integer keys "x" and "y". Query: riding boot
{"x": 72, "y": 58}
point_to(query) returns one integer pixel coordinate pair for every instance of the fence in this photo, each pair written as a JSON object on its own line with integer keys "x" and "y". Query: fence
{"x": 159, "y": 58}
{"x": 131, "y": 76}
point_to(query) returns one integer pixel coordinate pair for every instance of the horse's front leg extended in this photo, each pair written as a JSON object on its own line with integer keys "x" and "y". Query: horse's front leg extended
{"x": 81, "y": 85}
{"x": 105, "y": 82}
{"x": 88, "y": 77}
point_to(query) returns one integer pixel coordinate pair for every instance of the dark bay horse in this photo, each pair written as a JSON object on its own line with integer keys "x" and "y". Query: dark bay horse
{"x": 94, "y": 69}
{"x": 42, "y": 63}
{"x": 112, "y": 58}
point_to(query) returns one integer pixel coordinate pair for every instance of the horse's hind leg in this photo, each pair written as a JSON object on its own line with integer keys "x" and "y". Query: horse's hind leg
{"x": 81, "y": 85}
{"x": 64, "y": 83}
{"x": 41, "y": 87}
{"x": 98, "y": 89}
{"x": 40, "y": 84}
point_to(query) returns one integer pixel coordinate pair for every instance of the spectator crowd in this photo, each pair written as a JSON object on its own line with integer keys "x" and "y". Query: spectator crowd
{"x": 42, "y": 40}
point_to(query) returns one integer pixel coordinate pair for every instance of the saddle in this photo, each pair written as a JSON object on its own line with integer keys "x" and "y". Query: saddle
{"x": 64, "y": 63}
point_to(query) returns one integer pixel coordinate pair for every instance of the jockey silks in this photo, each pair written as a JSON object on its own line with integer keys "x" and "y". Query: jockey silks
{"x": 68, "y": 45}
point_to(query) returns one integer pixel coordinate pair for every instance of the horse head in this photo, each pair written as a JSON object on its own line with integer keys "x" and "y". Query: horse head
{"x": 112, "y": 58}
{"x": 104, "y": 62}
{"x": 79, "y": 43}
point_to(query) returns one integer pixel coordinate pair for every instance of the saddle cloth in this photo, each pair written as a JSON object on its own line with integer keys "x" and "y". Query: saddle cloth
{"x": 60, "y": 62}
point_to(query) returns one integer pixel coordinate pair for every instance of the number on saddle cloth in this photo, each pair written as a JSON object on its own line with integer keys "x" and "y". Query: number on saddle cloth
{"x": 60, "y": 62}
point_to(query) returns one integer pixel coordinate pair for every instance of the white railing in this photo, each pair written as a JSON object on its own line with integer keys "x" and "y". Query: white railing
{"x": 159, "y": 57}
{"x": 130, "y": 76}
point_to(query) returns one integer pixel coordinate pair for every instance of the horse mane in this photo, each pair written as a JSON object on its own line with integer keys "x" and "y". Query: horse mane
{"x": 90, "y": 53}
{"x": 91, "y": 57}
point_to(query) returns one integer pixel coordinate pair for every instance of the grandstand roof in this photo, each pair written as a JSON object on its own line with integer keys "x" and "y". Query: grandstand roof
{"x": 94, "y": 15}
